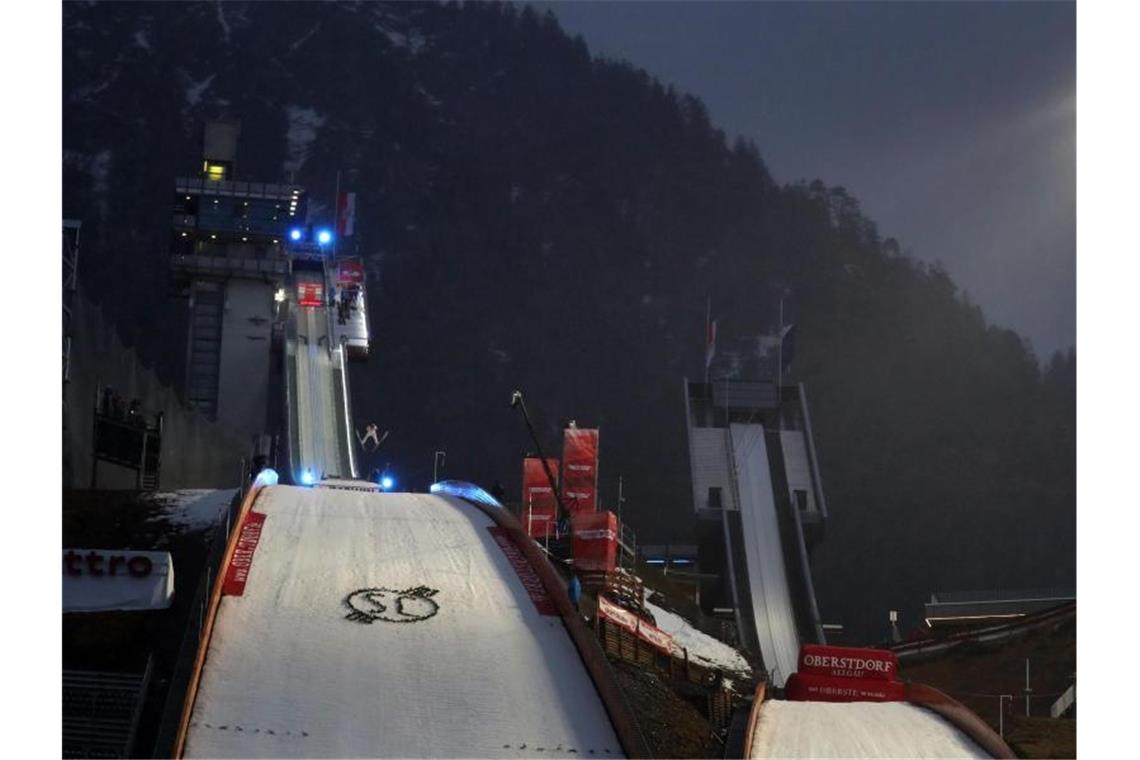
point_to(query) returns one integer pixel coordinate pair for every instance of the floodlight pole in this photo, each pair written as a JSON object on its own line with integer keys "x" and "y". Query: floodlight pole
{"x": 1001, "y": 713}
{"x": 517, "y": 402}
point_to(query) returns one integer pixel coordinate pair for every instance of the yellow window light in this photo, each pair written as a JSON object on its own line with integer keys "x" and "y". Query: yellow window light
{"x": 215, "y": 171}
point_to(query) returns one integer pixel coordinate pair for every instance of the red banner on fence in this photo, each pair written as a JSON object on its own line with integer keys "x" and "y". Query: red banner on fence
{"x": 580, "y": 470}
{"x": 539, "y": 512}
{"x": 810, "y": 687}
{"x": 530, "y": 580}
{"x": 648, "y": 632}
{"x": 240, "y": 563}
{"x": 595, "y": 544}
{"x": 848, "y": 662}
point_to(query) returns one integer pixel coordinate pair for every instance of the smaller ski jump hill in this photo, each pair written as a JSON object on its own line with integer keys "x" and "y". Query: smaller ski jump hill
{"x": 354, "y": 623}
{"x": 924, "y": 724}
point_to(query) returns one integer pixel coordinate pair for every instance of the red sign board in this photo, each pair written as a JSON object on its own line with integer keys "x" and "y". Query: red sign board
{"x": 310, "y": 294}
{"x": 530, "y": 580}
{"x": 595, "y": 544}
{"x": 238, "y": 571}
{"x": 811, "y": 687}
{"x": 539, "y": 507}
{"x": 580, "y": 470}
{"x": 848, "y": 662}
{"x": 349, "y": 272}
{"x": 607, "y": 610}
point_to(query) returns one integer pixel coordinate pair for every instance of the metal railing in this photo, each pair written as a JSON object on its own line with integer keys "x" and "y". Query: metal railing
{"x": 101, "y": 711}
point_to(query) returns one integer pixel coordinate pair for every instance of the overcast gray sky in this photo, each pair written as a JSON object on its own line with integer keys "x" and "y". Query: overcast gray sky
{"x": 954, "y": 124}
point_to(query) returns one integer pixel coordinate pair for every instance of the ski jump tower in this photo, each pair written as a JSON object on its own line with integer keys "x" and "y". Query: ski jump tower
{"x": 760, "y": 506}
{"x": 228, "y": 258}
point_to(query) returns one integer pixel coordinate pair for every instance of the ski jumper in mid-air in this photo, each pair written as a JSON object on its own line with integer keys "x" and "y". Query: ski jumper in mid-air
{"x": 371, "y": 432}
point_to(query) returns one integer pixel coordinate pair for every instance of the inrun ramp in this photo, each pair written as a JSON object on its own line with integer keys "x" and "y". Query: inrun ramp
{"x": 389, "y": 625}
{"x": 773, "y": 614}
{"x": 321, "y": 438}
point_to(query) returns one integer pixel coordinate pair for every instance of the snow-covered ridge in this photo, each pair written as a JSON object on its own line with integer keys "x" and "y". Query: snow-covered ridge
{"x": 702, "y": 648}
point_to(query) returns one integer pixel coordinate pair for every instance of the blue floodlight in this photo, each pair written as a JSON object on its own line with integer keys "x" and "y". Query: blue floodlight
{"x": 295, "y": 234}
{"x": 267, "y": 477}
{"x": 324, "y": 236}
{"x": 464, "y": 490}
{"x": 307, "y": 478}
{"x": 386, "y": 483}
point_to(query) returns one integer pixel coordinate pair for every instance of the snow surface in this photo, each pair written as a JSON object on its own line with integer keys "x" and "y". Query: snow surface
{"x": 322, "y": 452}
{"x": 703, "y": 649}
{"x": 195, "y": 508}
{"x": 194, "y": 91}
{"x": 287, "y": 673}
{"x": 303, "y": 126}
{"x": 767, "y": 577}
{"x": 857, "y": 729}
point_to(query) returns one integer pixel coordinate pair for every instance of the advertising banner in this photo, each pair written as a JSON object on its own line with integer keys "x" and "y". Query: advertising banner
{"x": 349, "y": 272}
{"x": 529, "y": 578}
{"x": 848, "y": 662}
{"x": 97, "y": 580}
{"x": 238, "y": 570}
{"x": 580, "y": 470}
{"x": 595, "y": 541}
{"x": 539, "y": 512}
{"x": 346, "y": 214}
{"x": 310, "y": 294}
{"x": 655, "y": 637}
{"x": 647, "y": 632}
{"x": 809, "y": 687}
{"x": 622, "y": 617}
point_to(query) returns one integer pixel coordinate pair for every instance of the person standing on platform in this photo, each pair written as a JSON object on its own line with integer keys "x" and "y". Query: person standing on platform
{"x": 574, "y": 591}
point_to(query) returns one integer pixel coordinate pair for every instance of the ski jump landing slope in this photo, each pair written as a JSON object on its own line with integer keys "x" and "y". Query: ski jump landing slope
{"x": 394, "y": 625}
{"x": 929, "y": 724}
{"x": 857, "y": 729}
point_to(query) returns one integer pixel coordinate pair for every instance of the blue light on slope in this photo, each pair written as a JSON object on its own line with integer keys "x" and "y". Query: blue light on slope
{"x": 295, "y": 234}
{"x": 267, "y": 477}
{"x": 386, "y": 483}
{"x": 307, "y": 478}
{"x": 465, "y": 490}
{"x": 324, "y": 236}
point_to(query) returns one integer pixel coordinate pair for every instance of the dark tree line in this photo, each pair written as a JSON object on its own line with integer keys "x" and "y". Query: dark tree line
{"x": 533, "y": 217}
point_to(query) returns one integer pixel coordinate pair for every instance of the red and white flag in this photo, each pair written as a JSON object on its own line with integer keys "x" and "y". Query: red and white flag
{"x": 345, "y": 214}
{"x": 710, "y": 345}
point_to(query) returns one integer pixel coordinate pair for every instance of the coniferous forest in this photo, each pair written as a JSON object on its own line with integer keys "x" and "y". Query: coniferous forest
{"x": 534, "y": 217}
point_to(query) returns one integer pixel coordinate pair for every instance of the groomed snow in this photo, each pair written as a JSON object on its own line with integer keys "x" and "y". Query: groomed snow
{"x": 193, "y": 508}
{"x": 857, "y": 729}
{"x": 703, "y": 649}
{"x": 289, "y": 674}
{"x": 767, "y": 577}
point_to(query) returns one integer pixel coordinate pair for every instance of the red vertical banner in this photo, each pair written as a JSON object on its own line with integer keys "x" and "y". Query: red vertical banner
{"x": 580, "y": 470}
{"x": 539, "y": 514}
{"x": 242, "y": 560}
{"x": 346, "y": 214}
{"x": 595, "y": 543}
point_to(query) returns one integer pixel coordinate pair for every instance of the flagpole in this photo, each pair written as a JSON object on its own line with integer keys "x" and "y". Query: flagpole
{"x": 780, "y": 363}
{"x": 708, "y": 326}
{"x": 336, "y": 214}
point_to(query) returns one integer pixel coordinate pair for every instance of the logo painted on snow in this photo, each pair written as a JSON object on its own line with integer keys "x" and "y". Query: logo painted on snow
{"x": 408, "y": 606}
